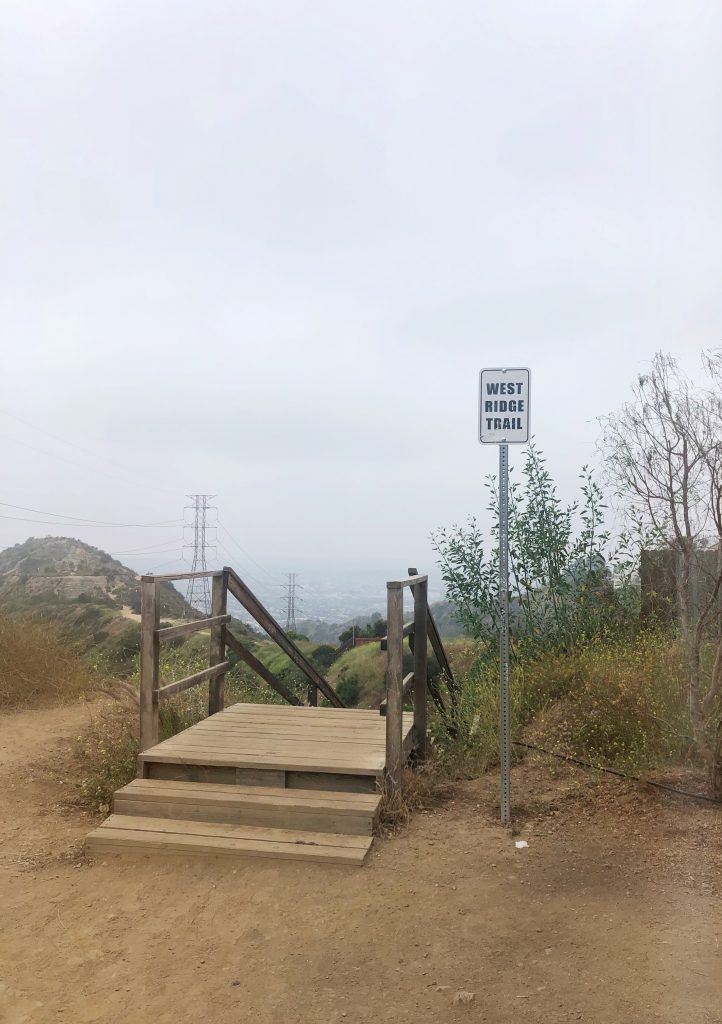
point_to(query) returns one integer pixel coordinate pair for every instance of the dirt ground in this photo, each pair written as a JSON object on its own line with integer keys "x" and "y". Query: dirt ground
{"x": 612, "y": 915}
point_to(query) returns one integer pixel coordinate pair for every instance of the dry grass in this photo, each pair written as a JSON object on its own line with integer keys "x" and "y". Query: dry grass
{"x": 38, "y": 666}
{"x": 107, "y": 751}
{"x": 422, "y": 786}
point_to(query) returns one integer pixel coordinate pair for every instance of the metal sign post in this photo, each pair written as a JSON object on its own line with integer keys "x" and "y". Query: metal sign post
{"x": 504, "y": 420}
{"x": 504, "y": 723}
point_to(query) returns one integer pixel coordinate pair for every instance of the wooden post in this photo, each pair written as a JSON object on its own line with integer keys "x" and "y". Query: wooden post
{"x": 217, "y": 652}
{"x": 394, "y": 683}
{"x": 420, "y": 667}
{"x": 312, "y": 695}
{"x": 149, "y": 670}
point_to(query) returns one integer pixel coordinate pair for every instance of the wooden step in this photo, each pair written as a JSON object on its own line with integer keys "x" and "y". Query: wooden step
{"x": 308, "y": 810}
{"x": 122, "y": 833}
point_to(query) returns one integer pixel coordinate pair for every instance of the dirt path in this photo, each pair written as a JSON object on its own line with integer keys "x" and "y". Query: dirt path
{"x": 613, "y": 914}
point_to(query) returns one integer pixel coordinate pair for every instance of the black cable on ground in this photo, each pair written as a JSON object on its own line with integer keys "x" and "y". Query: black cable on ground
{"x": 621, "y": 774}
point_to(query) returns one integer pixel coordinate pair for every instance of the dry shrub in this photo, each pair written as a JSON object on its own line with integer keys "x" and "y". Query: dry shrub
{"x": 108, "y": 749}
{"x": 107, "y": 752}
{"x": 623, "y": 705}
{"x": 37, "y": 665}
{"x": 422, "y": 786}
{"x": 619, "y": 701}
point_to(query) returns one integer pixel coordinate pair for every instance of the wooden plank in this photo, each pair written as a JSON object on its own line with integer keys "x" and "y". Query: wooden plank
{"x": 435, "y": 640}
{"x": 313, "y": 751}
{"x": 239, "y": 723}
{"x": 408, "y": 582}
{"x": 286, "y": 816}
{"x": 210, "y": 828}
{"x": 105, "y": 840}
{"x": 183, "y": 575}
{"x": 354, "y": 739}
{"x": 149, "y": 663}
{"x": 333, "y": 714}
{"x": 273, "y": 756}
{"x": 198, "y": 677}
{"x": 195, "y": 791}
{"x": 407, "y": 631}
{"x": 277, "y": 757}
{"x": 240, "y": 738}
{"x": 217, "y": 649}
{"x": 284, "y": 762}
{"x": 420, "y": 673}
{"x": 205, "y": 774}
{"x": 237, "y": 738}
{"x": 186, "y": 628}
{"x": 332, "y": 782}
{"x": 259, "y": 668}
{"x": 264, "y": 619}
{"x": 394, "y": 671}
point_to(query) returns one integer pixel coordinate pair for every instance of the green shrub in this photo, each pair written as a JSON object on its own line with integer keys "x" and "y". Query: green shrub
{"x": 348, "y": 689}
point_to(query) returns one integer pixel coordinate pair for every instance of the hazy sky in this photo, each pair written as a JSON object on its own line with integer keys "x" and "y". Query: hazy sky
{"x": 263, "y": 249}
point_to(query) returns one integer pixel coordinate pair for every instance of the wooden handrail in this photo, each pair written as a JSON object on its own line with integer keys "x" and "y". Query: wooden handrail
{"x": 198, "y": 677}
{"x": 224, "y": 580}
{"x": 421, "y": 632}
{"x": 410, "y": 581}
{"x": 184, "y": 575}
{"x": 186, "y": 628}
{"x": 265, "y": 620}
{"x": 440, "y": 653}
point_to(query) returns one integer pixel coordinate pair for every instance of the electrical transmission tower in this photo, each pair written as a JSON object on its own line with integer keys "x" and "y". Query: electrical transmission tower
{"x": 198, "y": 595}
{"x": 292, "y": 600}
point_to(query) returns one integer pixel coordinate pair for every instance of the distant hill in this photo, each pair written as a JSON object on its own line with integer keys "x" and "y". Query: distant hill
{"x": 93, "y": 598}
{"x": 43, "y": 571}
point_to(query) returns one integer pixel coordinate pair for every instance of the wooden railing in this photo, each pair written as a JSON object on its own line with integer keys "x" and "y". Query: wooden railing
{"x": 225, "y": 581}
{"x": 399, "y": 688}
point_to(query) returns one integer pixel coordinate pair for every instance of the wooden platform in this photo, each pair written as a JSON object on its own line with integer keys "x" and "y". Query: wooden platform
{"x": 257, "y": 780}
{"x": 278, "y": 745}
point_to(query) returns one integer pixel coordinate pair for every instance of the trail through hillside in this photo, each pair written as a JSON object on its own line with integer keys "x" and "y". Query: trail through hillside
{"x": 611, "y": 915}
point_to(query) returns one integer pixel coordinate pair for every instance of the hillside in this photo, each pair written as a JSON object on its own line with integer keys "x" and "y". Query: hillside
{"x": 93, "y": 598}
{"x": 59, "y": 569}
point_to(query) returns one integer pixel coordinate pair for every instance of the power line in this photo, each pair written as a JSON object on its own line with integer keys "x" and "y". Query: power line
{"x": 151, "y": 549}
{"x": 71, "y": 444}
{"x": 92, "y": 526}
{"x": 268, "y": 587}
{"x": 173, "y": 561}
{"x": 78, "y": 520}
{"x": 246, "y": 554}
{"x": 198, "y": 595}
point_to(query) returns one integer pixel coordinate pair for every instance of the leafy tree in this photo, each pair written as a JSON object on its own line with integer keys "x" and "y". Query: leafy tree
{"x": 377, "y": 627}
{"x": 561, "y": 585}
{"x": 323, "y": 656}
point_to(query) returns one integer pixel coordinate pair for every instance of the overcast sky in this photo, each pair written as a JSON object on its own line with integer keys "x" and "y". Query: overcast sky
{"x": 263, "y": 249}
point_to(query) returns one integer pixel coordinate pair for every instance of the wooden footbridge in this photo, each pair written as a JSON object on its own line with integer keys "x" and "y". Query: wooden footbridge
{"x": 289, "y": 781}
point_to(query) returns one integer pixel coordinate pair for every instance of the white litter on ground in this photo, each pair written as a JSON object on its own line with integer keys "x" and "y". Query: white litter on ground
{"x": 521, "y": 844}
